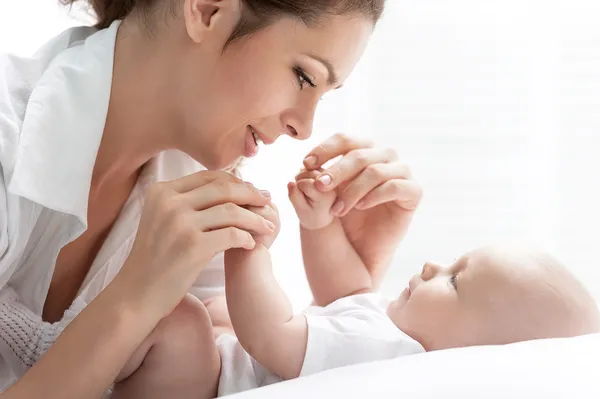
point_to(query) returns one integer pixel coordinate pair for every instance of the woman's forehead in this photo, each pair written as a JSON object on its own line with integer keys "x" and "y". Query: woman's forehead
{"x": 339, "y": 41}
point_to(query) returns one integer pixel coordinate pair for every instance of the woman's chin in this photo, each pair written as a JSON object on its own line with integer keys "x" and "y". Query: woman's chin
{"x": 224, "y": 164}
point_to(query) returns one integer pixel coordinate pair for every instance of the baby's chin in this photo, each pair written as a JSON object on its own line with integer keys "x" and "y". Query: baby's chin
{"x": 395, "y": 307}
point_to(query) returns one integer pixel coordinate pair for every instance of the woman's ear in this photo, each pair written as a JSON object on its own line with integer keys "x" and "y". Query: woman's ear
{"x": 204, "y": 18}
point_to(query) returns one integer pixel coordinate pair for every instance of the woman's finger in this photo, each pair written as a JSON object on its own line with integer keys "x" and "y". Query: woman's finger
{"x": 370, "y": 178}
{"x": 353, "y": 164}
{"x": 336, "y": 145}
{"x": 268, "y": 212}
{"x": 231, "y": 215}
{"x": 199, "y": 179}
{"x": 406, "y": 194}
{"x": 227, "y": 238}
{"x": 222, "y": 191}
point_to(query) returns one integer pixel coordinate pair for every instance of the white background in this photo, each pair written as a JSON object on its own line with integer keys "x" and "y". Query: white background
{"x": 494, "y": 104}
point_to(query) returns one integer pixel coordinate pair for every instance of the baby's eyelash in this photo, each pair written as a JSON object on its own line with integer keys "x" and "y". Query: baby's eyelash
{"x": 453, "y": 281}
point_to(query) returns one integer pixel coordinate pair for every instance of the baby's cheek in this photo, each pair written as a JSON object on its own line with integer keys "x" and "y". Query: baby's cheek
{"x": 432, "y": 307}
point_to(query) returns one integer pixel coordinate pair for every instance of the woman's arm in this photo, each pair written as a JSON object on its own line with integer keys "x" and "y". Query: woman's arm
{"x": 376, "y": 199}
{"x": 262, "y": 314}
{"x": 91, "y": 351}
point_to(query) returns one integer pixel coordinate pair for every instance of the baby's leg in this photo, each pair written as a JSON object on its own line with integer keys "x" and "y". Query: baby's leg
{"x": 179, "y": 359}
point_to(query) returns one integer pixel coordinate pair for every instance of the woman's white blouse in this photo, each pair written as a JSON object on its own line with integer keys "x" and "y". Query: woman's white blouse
{"x": 53, "y": 108}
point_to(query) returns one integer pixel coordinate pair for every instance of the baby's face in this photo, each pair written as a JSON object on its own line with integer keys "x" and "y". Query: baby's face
{"x": 483, "y": 298}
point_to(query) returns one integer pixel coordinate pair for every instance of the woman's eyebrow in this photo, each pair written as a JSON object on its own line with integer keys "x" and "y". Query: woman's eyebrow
{"x": 332, "y": 78}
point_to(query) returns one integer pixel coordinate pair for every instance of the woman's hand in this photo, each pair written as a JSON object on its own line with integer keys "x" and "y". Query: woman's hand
{"x": 270, "y": 213}
{"x": 183, "y": 225}
{"x": 376, "y": 195}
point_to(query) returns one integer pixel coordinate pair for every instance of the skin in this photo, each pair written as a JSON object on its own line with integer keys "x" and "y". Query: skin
{"x": 261, "y": 313}
{"x": 494, "y": 295}
{"x": 178, "y": 89}
{"x": 205, "y": 98}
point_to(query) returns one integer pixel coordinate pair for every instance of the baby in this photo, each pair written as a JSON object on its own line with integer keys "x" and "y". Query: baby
{"x": 489, "y": 296}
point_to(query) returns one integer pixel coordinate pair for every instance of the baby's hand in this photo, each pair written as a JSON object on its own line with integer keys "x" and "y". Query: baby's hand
{"x": 270, "y": 213}
{"x": 312, "y": 206}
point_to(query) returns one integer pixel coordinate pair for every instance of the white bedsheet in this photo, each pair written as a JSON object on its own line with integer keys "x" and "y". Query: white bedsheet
{"x": 548, "y": 369}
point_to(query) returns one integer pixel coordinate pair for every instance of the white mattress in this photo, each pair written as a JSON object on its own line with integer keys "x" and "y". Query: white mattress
{"x": 548, "y": 369}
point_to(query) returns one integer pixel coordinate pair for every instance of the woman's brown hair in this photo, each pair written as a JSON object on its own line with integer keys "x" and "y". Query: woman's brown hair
{"x": 256, "y": 13}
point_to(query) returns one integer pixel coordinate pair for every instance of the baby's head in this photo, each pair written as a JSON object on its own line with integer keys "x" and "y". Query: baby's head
{"x": 494, "y": 296}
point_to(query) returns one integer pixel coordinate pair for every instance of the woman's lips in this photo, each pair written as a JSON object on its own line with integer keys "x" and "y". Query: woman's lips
{"x": 250, "y": 145}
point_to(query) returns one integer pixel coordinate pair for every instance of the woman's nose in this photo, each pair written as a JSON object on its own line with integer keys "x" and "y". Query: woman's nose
{"x": 430, "y": 270}
{"x": 298, "y": 122}
{"x": 299, "y": 130}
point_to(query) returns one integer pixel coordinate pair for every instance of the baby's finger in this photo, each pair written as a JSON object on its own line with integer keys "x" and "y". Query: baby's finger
{"x": 309, "y": 174}
{"x": 298, "y": 199}
{"x": 307, "y": 186}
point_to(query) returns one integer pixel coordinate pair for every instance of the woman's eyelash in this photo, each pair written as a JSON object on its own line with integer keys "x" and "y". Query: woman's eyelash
{"x": 303, "y": 78}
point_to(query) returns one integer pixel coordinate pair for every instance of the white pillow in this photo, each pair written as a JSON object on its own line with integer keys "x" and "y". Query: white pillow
{"x": 549, "y": 369}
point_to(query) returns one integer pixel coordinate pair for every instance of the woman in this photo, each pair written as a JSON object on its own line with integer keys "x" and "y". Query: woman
{"x": 107, "y": 220}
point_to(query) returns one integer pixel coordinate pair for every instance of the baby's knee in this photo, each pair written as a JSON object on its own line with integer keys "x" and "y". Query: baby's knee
{"x": 187, "y": 330}
{"x": 180, "y": 357}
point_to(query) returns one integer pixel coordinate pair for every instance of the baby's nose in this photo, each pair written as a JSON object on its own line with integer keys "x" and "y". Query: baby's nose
{"x": 430, "y": 270}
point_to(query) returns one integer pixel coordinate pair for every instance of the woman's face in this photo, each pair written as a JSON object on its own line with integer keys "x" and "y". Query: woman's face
{"x": 268, "y": 83}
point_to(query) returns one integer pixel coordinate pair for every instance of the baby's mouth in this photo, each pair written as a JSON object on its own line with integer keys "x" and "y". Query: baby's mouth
{"x": 406, "y": 293}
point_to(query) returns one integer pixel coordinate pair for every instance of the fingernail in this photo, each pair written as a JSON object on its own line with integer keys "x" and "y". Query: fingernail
{"x": 337, "y": 208}
{"x": 265, "y": 193}
{"x": 310, "y": 160}
{"x": 325, "y": 179}
{"x": 270, "y": 225}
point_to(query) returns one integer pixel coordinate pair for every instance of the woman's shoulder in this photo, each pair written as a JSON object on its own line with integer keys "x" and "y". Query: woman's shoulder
{"x": 18, "y": 79}
{"x": 27, "y": 85}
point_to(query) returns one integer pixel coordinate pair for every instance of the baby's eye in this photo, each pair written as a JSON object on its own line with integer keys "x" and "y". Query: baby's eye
{"x": 453, "y": 281}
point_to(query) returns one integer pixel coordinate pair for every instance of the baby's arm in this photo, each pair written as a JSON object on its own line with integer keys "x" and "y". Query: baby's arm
{"x": 333, "y": 268}
{"x": 262, "y": 314}
{"x": 332, "y": 272}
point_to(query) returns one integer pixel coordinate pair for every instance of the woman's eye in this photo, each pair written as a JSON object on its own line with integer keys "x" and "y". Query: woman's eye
{"x": 453, "y": 281}
{"x": 303, "y": 78}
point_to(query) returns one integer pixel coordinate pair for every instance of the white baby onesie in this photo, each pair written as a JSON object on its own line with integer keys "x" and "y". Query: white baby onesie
{"x": 351, "y": 330}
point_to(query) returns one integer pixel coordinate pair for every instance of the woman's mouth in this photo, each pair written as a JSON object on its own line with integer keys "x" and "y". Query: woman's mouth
{"x": 252, "y": 141}
{"x": 255, "y": 136}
